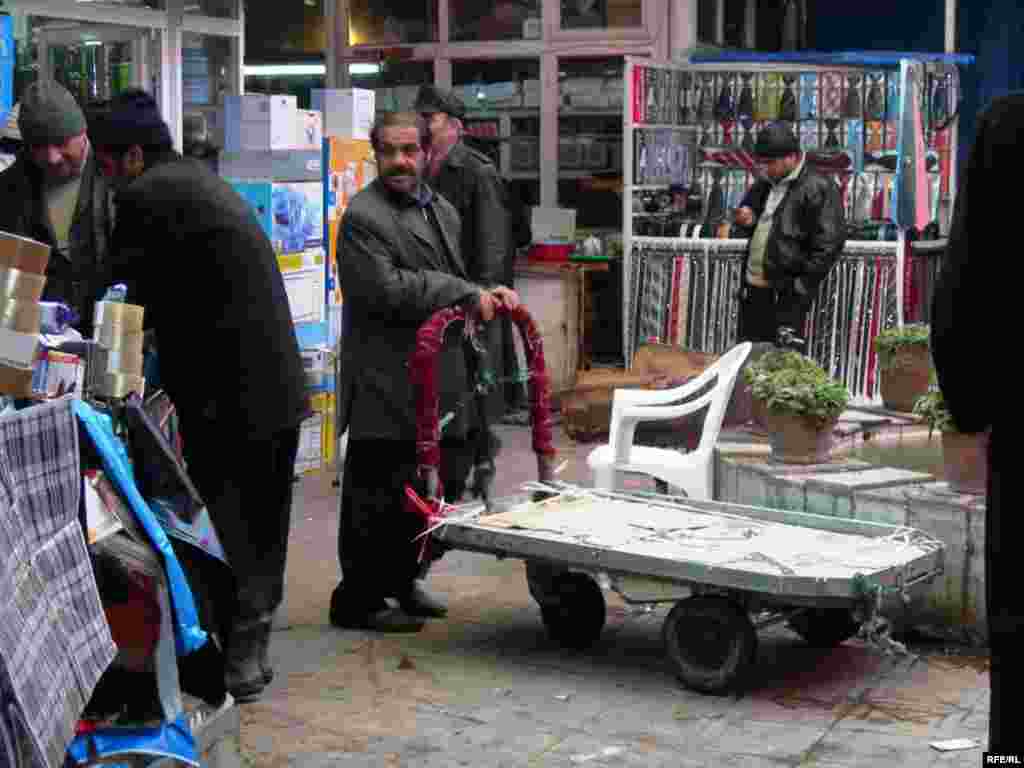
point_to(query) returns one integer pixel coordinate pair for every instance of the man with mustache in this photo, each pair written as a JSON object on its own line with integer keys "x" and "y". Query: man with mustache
{"x": 399, "y": 262}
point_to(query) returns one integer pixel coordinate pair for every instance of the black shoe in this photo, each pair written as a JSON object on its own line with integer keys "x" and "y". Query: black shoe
{"x": 243, "y": 672}
{"x": 375, "y": 615}
{"x": 419, "y": 602}
{"x": 387, "y": 619}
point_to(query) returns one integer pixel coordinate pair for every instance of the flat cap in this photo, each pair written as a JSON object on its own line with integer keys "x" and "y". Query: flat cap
{"x": 434, "y": 99}
{"x": 776, "y": 140}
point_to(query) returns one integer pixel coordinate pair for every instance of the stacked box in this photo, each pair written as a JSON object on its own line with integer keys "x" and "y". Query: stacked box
{"x": 22, "y": 280}
{"x": 118, "y": 331}
{"x": 259, "y": 122}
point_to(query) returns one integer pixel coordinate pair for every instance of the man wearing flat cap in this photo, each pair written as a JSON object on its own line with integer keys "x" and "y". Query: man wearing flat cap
{"x": 795, "y": 216}
{"x": 53, "y": 194}
{"x": 469, "y": 181}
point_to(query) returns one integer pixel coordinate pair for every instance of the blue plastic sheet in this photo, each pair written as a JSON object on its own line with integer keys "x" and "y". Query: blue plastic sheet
{"x": 172, "y": 740}
{"x": 883, "y": 59}
{"x": 188, "y": 634}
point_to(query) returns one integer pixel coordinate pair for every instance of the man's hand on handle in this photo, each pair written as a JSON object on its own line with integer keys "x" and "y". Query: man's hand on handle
{"x": 491, "y": 299}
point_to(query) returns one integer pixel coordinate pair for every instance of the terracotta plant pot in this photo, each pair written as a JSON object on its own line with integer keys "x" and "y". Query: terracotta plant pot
{"x": 906, "y": 378}
{"x": 965, "y": 459}
{"x": 796, "y": 439}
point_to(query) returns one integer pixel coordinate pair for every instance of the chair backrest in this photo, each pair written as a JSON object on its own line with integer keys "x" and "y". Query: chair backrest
{"x": 728, "y": 370}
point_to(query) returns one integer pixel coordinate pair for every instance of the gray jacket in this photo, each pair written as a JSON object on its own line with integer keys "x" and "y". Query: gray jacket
{"x": 393, "y": 277}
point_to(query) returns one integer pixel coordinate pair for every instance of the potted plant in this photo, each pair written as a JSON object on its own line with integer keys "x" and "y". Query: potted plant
{"x": 803, "y": 405}
{"x": 769, "y": 362}
{"x": 964, "y": 457}
{"x": 905, "y": 362}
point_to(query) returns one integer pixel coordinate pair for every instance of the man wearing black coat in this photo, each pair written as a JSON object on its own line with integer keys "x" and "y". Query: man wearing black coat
{"x": 399, "y": 262}
{"x": 194, "y": 255}
{"x": 469, "y": 181}
{"x": 797, "y": 231}
{"x": 52, "y": 193}
{"x": 972, "y": 298}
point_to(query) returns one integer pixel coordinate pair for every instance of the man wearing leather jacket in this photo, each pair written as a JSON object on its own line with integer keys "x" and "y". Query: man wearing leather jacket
{"x": 794, "y": 217}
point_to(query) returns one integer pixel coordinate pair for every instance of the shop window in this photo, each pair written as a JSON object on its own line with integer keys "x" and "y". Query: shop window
{"x": 494, "y": 19}
{"x": 590, "y": 140}
{"x": 392, "y": 22}
{"x": 396, "y": 83}
{"x": 601, "y": 14}
{"x": 503, "y": 117}
{"x": 218, "y": 9}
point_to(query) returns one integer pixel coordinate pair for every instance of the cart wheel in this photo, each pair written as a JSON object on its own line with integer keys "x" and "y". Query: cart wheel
{"x": 574, "y": 610}
{"x": 824, "y": 627}
{"x": 710, "y": 641}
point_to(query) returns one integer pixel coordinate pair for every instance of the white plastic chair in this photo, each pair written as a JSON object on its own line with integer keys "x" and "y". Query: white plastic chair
{"x": 693, "y": 472}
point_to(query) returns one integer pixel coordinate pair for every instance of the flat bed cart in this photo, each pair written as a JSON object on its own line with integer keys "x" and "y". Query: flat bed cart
{"x": 728, "y": 569}
{"x": 719, "y": 564}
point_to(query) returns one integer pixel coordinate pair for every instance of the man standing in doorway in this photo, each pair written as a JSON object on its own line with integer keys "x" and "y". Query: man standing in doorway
{"x": 53, "y": 194}
{"x": 799, "y": 230}
{"x": 194, "y": 255}
{"x": 399, "y": 262}
{"x": 469, "y": 180}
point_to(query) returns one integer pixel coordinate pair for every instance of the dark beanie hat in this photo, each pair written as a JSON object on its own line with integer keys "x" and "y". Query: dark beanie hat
{"x": 776, "y": 140}
{"x": 133, "y": 117}
{"x": 49, "y": 114}
{"x": 434, "y": 99}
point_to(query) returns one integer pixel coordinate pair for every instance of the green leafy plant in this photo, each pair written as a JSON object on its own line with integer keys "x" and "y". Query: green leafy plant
{"x": 780, "y": 360}
{"x": 932, "y": 408}
{"x": 805, "y": 391}
{"x": 892, "y": 340}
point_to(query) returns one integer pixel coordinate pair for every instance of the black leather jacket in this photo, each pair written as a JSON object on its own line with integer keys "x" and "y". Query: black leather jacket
{"x": 808, "y": 232}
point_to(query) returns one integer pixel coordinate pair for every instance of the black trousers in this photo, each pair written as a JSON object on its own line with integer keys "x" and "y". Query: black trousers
{"x": 247, "y": 486}
{"x": 1005, "y": 608}
{"x": 376, "y": 551}
{"x": 764, "y": 310}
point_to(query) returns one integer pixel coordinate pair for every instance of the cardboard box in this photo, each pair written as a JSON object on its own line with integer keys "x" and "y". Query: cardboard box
{"x": 307, "y": 459}
{"x": 15, "y": 381}
{"x": 297, "y": 216}
{"x": 259, "y": 122}
{"x": 19, "y": 315}
{"x": 17, "y": 349}
{"x": 113, "y": 319}
{"x": 23, "y": 253}
{"x": 290, "y": 213}
{"x": 19, "y": 284}
{"x": 347, "y": 112}
{"x": 309, "y": 129}
{"x": 306, "y": 294}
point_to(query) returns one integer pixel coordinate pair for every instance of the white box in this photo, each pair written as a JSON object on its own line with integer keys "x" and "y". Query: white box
{"x": 259, "y": 122}
{"x": 306, "y": 294}
{"x": 347, "y": 112}
{"x": 309, "y": 129}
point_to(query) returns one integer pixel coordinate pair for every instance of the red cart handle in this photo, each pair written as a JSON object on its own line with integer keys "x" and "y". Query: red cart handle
{"x": 422, "y": 365}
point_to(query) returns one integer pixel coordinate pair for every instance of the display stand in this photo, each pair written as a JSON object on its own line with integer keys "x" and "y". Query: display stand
{"x": 286, "y": 190}
{"x": 695, "y": 124}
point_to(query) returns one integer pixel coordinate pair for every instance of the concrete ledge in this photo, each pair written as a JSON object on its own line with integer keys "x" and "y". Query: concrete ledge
{"x": 855, "y": 489}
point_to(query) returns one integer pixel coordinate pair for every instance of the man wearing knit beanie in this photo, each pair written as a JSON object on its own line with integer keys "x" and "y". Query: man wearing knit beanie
{"x": 51, "y": 193}
{"x": 194, "y": 255}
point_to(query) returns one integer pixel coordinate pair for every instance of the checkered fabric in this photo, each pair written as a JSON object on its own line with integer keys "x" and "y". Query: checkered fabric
{"x": 54, "y": 639}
